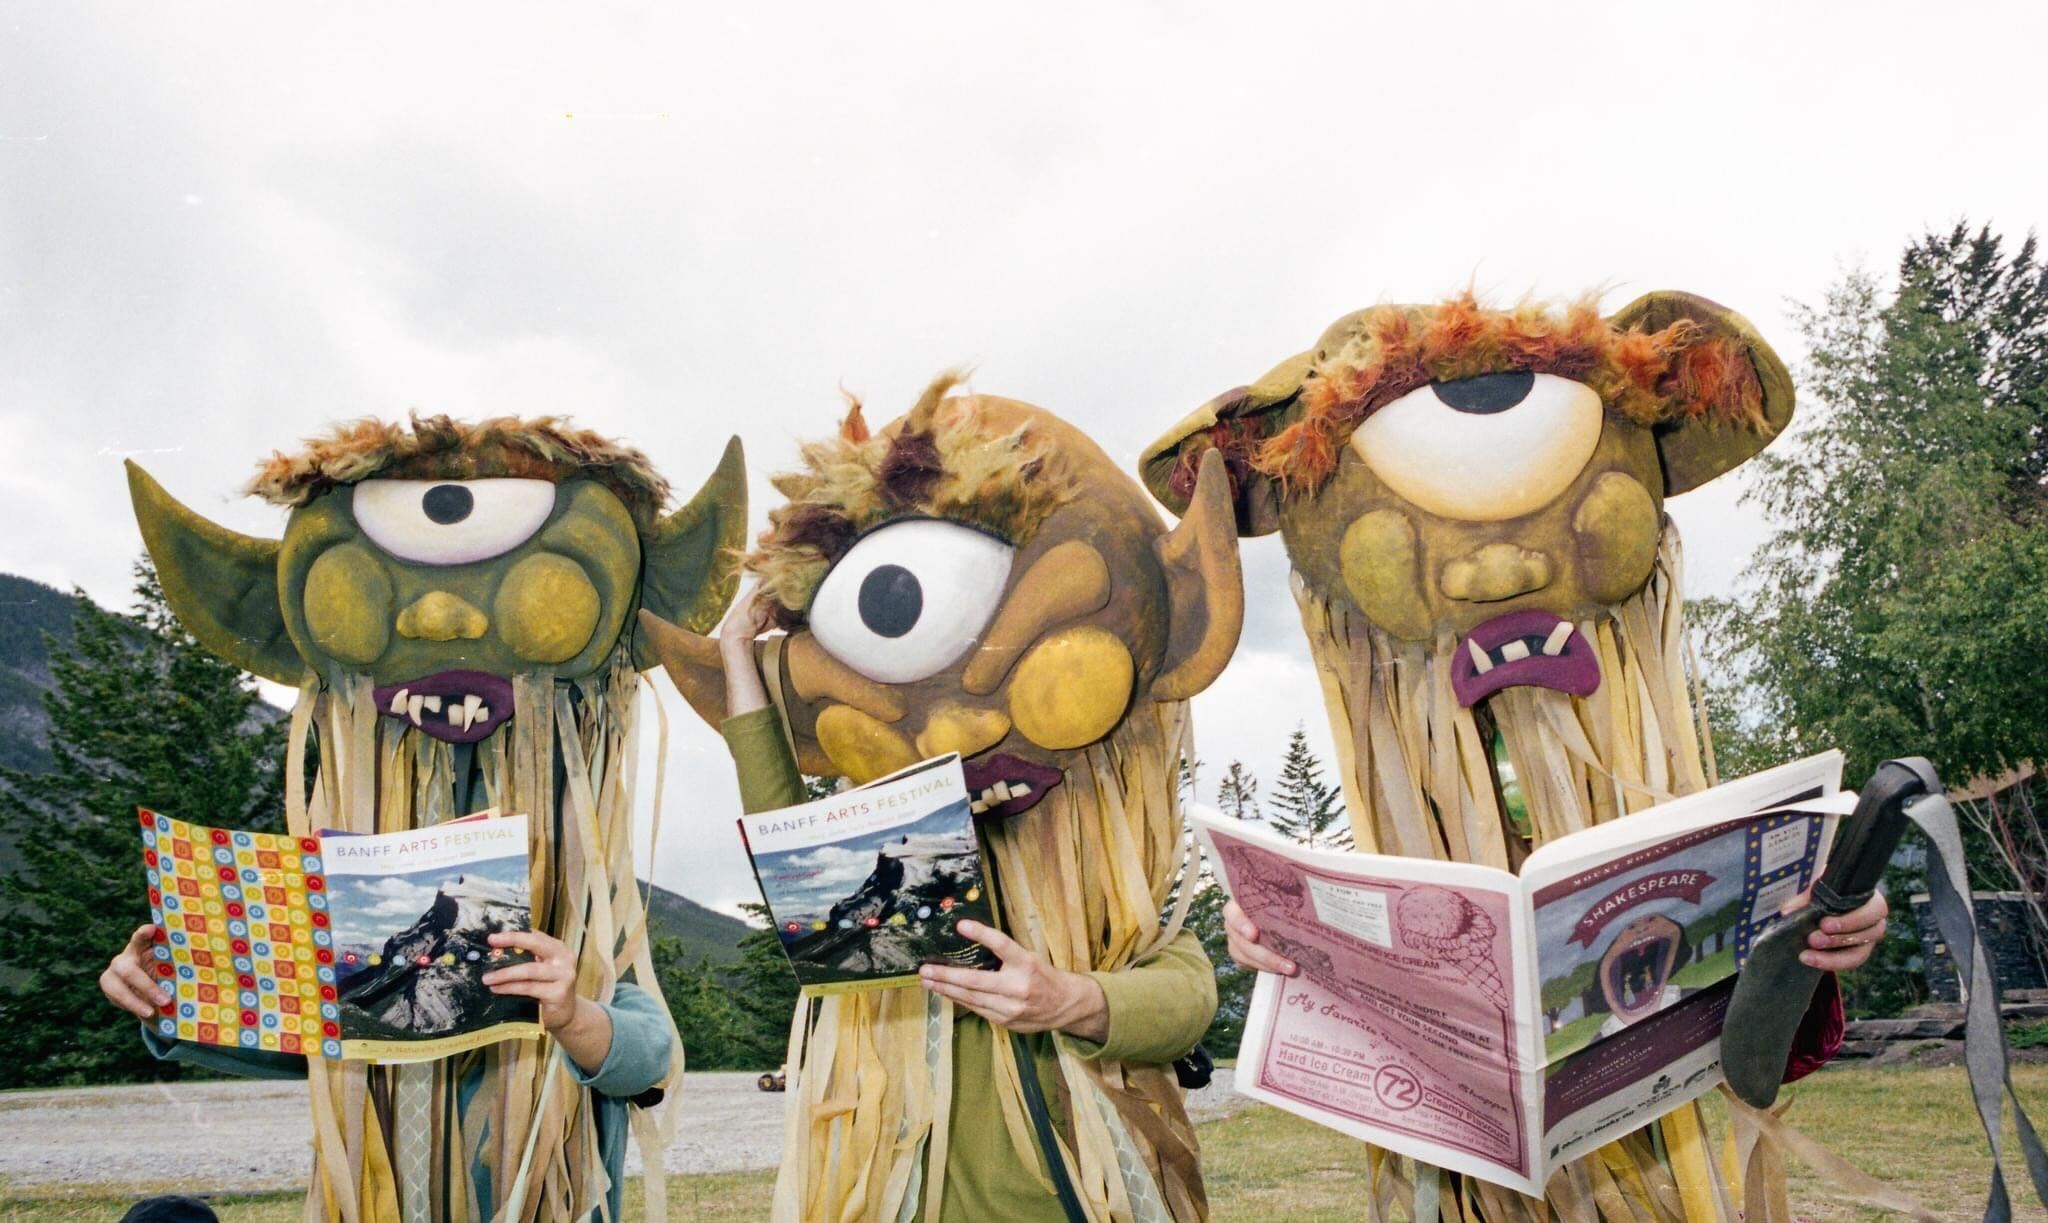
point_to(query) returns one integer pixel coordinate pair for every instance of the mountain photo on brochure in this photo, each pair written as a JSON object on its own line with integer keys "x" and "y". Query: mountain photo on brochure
{"x": 867, "y": 885}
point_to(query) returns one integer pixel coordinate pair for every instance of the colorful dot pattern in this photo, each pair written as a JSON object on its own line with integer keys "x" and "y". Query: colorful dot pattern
{"x": 242, "y": 938}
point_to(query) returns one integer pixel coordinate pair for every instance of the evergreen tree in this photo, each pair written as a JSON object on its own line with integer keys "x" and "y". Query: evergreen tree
{"x": 1238, "y": 792}
{"x": 140, "y": 715}
{"x": 1303, "y": 806}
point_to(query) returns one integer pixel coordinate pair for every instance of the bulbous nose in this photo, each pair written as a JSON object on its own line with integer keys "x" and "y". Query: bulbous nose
{"x": 440, "y": 616}
{"x": 1495, "y": 572}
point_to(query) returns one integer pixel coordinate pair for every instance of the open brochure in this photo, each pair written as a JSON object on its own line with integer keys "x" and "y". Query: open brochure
{"x": 1504, "y": 1025}
{"x": 340, "y": 946}
{"x": 868, "y": 884}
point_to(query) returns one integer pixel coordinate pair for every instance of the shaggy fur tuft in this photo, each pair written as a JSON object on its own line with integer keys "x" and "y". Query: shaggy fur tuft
{"x": 943, "y": 460}
{"x": 1650, "y": 378}
{"x": 438, "y": 448}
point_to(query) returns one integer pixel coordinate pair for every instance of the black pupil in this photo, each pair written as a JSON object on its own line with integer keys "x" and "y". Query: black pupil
{"x": 446, "y": 503}
{"x": 891, "y": 600}
{"x": 1488, "y": 393}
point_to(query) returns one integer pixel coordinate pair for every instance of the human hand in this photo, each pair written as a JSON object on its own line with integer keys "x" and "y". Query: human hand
{"x": 1027, "y": 994}
{"x": 1244, "y": 944}
{"x": 1844, "y": 943}
{"x": 549, "y": 977}
{"x": 751, "y": 615}
{"x": 127, "y": 983}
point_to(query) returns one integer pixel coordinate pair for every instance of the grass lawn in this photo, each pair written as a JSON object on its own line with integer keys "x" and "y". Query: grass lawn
{"x": 1914, "y": 1127}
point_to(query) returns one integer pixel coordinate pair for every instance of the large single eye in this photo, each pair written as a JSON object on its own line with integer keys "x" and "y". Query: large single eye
{"x": 909, "y": 599}
{"x": 451, "y": 522}
{"x": 1483, "y": 449}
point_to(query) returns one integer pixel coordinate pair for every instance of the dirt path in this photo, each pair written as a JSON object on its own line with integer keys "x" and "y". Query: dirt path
{"x": 255, "y": 1135}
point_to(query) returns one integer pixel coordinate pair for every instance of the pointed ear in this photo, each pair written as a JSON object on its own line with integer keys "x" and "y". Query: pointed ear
{"x": 691, "y": 661}
{"x": 221, "y": 584}
{"x": 691, "y": 565}
{"x": 1699, "y": 445}
{"x": 1232, "y": 424}
{"x": 1206, "y": 587}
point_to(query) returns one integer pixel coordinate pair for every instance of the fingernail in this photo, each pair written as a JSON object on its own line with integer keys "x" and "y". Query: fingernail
{"x": 1809, "y": 959}
{"x": 1292, "y": 967}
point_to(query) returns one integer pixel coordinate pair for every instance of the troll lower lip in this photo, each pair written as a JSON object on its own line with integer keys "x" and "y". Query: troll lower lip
{"x": 1533, "y": 649}
{"x": 1002, "y": 786}
{"x": 453, "y": 706}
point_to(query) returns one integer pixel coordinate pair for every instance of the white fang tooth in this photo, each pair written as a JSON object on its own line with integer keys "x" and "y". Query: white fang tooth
{"x": 456, "y": 719}
{"x": 1001, "y": 790}
{"x": 1553, "y": 645}
{"x": 433, "y": 704}
{"x": 483, "y": 714}
{"x": 398, "y": 701}
{"x": 412, "y": 708}
{"x": 1514, "y": 651}
{"x": 1480, "y": 662}
{"x": 1020, "y": 790}
{"x": 472, "y": 703}
{"x": 977, "y": 807}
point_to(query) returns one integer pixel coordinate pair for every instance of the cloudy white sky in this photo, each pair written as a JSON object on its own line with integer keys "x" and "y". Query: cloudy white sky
{"x": 224, "y": 226}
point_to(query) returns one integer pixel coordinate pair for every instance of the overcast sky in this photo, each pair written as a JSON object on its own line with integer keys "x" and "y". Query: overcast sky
{"x": 222, "y": 227}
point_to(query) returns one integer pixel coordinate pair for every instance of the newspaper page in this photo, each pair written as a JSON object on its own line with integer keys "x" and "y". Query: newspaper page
{"x": 1404, "y": 1026}
{"x": 1637, "y": 945}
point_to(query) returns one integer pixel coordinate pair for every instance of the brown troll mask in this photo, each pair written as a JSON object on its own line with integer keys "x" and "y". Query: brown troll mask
{"x": 979, "y": 578}
{"x": 1499, "y": 475}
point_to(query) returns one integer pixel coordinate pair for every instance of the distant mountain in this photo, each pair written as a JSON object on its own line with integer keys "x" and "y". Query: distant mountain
{"x": 28, "y": 609}
{"x": 428, "y": 978}
{"x": 706, "y": 933}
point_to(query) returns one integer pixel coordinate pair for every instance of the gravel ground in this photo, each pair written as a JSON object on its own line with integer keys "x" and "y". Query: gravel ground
{"x": 255, "y": 1135}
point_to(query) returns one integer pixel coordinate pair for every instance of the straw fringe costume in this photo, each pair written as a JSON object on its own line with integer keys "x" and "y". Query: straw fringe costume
{"x": 1472, "y": 502}
{"x": 1072, "y": 628}
{"x": 504, "y": 558}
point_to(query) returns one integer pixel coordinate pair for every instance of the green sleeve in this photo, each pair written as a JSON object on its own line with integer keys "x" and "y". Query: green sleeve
{"x": 767, "y": 768}
{"x": 1159, "y": 1009}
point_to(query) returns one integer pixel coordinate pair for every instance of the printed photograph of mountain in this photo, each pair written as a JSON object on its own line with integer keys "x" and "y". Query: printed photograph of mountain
{"x": 411, "y": 950}
{"x": 878, "y": 906}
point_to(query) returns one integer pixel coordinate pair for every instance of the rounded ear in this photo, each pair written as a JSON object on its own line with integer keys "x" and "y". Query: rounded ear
{"x": 690, "y": 567}
{"x": 1234, "y": 423}
{"x": 222, "y": 585}
{"x": 1697, "y": 446}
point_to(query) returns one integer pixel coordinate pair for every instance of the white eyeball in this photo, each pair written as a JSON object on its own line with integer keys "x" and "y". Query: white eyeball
{"x": 451, "y": 522}
{"x": 910, "y": 598}
{"x": 1483, "y": 449}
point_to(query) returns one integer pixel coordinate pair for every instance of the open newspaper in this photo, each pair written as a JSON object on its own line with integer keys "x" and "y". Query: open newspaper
{"x": 341, "y": 945}
{"x": 868, "y": 884}
{"x": 1504, "y": 1025}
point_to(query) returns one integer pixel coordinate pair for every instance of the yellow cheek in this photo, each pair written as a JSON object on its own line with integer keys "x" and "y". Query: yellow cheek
{"x": 1072, "y": 688}
{"x": 860, "y": 746}
{"x": 348, "y": 604}
{"x": 1617, "y": 525}
{"x": 956, "y": 728}
{"x": 1383, "y": 570}
{"x": 546, "y": 608}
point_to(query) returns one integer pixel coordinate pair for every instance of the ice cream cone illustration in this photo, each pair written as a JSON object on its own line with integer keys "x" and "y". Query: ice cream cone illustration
{"x": 1453, "y": 929}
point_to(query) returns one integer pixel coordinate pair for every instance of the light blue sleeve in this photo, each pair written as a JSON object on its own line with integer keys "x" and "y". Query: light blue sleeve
{"x": 248, "y": 1063}
{"x": 638, "y": 1058}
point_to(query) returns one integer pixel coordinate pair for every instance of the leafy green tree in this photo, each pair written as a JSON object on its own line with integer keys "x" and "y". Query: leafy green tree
{"x": 1302, "y": 805}
{"x": 1898, "y": 607}
{"x": 140, "y": 715}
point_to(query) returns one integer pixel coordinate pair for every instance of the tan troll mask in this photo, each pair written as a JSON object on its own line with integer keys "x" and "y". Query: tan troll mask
{"x": 454, "y": 603}
{"x": 1473, "y": 505}
{"x": 979, "y": 577}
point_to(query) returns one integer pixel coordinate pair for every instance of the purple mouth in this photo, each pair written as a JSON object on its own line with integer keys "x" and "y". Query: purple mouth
{"x": 453, "y": 706}
{"x": 1002, "y": 785}
{"x": 1531, "y": 649}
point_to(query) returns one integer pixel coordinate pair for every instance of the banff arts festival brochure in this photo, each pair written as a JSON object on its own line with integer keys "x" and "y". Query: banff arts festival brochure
{"x": 341, "y": 946}
{"x": 866, "y": 885}
{"x": 1503, "y": 1025}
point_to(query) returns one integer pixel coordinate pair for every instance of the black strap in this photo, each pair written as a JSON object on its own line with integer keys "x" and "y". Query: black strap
{"x": 1041, "y": 1121}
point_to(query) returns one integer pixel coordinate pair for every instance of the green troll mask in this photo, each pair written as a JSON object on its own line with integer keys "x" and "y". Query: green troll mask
{"x": 456, "y": 605}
